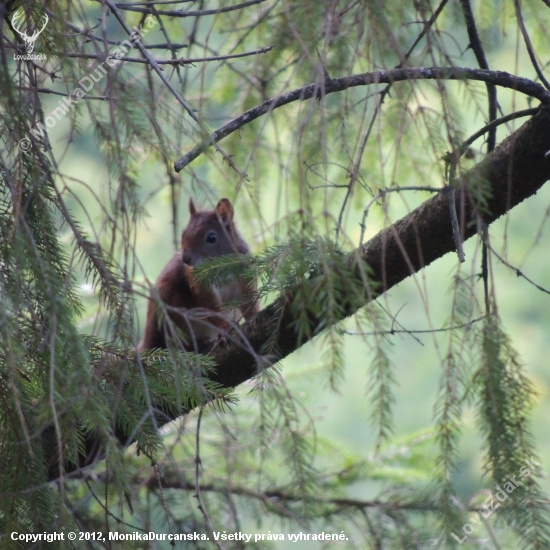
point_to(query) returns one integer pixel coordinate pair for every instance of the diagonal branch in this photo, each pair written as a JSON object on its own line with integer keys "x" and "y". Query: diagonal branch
{"x": 515, "y": 170}
{"x": 498, "y": 78}
{"x": 529, "y": 45}
{"x": 155, "y": 66}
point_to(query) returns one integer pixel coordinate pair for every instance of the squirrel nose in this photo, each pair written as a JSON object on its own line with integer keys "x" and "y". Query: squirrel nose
{"x": 186, "y": 257}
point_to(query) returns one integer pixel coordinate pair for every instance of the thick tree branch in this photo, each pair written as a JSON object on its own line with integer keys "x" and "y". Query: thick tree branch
{"x": 515, "y": 170}
{"x": 498, "y": 78}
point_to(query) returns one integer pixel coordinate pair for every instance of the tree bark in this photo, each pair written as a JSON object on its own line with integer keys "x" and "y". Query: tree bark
{"x": 514, "y": 171}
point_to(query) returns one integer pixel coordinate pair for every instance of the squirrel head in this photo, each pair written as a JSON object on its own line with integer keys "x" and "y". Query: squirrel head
{"x": 209, "y": 233}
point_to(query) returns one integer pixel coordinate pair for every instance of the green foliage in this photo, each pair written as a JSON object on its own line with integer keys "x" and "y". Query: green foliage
{"x": 506, "y": 397}
{"x": 61, "y": 388}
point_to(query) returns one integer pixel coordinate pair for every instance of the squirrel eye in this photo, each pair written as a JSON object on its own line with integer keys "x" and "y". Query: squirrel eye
{"x": 211, "y": 237}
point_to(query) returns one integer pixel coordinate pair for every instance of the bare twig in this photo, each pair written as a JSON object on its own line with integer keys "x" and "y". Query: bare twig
{"x": 356, "y": 165}
{"x": 182, "y": 13}
{"x": 161, "y": 491}
{"x": 148, "y": 3}
{"x": 454, "y": 224}
{"x": 383, "y": 192}
{"x": 169, "y": 85}
{"x": 274, "y": 498}
{"x": 65, "y": 94}
{"x": 518, "y": 272}
{"x": 485, "y": 267}
{"x": 417, "y": 331}
{"x": 153, "y": 63}
{"x": 494, "y": 124}
{"x": 427, "y": 27}
{"x": 106, "y": 509}
{"x": 355, "y": 172}
{"x": 184, "y": 61}
{"x": 477, "y": 47}
{"x": 180, "y": 61}
{"x": 529, "y": 45}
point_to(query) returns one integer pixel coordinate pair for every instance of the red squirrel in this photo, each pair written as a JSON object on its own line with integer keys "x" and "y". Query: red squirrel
{"x": 198, "y": 311}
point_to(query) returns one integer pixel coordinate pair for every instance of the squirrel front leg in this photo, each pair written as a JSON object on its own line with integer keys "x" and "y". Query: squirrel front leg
{"x": 209, "y": 319}
{"x": 192, "y": 309}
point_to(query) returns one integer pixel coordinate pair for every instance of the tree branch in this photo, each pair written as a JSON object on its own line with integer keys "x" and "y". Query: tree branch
{"x": 180, "y": 61}
{"x": 498, "y": 78}
{"x": 529, "y": 45}
{"x": 515, "y": 170}
{"x": 479, "y": 52}
{"x": 183, "y": 13}
{"x": 493, "y": 126}
{"x": 276, "y": 499}
{"x": 155, "y": 66}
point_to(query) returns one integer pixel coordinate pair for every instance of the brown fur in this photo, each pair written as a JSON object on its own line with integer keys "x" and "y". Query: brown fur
{"x": 198, "y": 311}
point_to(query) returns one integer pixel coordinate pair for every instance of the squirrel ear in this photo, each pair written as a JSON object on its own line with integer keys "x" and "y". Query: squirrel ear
{"x": 225, "y": 210}
{"x": 192, "y": 208}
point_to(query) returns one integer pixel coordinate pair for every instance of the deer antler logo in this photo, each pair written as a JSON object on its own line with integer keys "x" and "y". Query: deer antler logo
{"x": 17, "y": 21}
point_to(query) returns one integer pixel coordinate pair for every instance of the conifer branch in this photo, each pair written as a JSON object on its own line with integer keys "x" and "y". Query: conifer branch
{"x": 515, "y": 170}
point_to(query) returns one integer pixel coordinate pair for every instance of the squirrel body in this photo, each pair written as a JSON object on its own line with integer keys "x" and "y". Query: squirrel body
{"x": 199, "y": 312}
